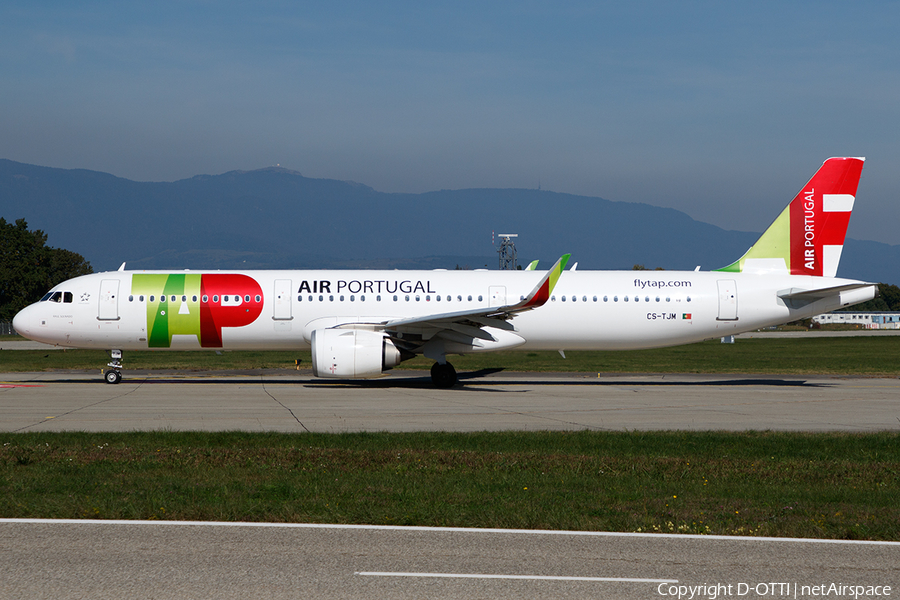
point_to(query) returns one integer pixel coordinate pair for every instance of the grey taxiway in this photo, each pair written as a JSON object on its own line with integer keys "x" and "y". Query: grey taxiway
{"x": 406, "y": 401}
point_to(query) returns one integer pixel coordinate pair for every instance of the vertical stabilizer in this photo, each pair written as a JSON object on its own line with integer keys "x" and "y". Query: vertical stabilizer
{"x": 808, "y": 236}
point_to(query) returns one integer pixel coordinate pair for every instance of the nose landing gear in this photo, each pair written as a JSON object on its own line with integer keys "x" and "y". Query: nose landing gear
{"x": 114, "y": 374}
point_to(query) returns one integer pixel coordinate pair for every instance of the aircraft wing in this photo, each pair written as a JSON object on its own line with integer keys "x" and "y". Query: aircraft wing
{"x": 470, "y": 322}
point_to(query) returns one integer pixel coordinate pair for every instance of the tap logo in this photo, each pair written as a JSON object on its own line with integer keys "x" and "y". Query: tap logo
{"x": 196, "y": 304}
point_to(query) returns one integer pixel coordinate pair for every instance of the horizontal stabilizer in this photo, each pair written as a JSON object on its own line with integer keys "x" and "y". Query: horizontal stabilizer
{"x": 829, "y": 298}
{"x": 817, "y": 294}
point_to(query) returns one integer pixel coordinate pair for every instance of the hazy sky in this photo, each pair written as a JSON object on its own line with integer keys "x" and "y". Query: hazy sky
{"x": 722, "y": 110}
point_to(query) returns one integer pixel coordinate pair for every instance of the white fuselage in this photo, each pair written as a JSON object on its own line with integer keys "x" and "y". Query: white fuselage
{"x": 278, "y": 310}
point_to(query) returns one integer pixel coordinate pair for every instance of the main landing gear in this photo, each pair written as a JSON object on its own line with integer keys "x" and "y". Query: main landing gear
{"x": 114, "y": 374}
{"x": 443, "y": 375}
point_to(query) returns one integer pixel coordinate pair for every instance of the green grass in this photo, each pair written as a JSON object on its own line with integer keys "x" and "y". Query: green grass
{"x": 765, "y": 484}
{"x": 866, "y": 356}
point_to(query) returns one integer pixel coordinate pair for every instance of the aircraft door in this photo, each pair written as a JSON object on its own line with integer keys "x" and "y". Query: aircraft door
{"x": 282, "y": 306}
{"x": 727, "y": 300}
{"x": 497, "y": 295}
{"x": 109, "y": 300}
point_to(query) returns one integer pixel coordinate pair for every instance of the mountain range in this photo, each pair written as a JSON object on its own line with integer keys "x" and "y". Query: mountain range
{"x": 277, "y": 218}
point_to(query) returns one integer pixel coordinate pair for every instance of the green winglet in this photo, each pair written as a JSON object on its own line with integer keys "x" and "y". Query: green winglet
{"x": 532, "y": 266}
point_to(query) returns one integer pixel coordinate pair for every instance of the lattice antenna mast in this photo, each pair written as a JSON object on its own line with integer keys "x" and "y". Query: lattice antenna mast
{"x": 507, "y": 251}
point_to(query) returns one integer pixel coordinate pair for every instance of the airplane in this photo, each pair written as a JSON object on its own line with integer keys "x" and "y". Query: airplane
{"x": 360, "y": 324}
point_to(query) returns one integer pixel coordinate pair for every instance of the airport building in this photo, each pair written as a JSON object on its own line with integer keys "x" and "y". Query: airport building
{"x": 866, "y": 320}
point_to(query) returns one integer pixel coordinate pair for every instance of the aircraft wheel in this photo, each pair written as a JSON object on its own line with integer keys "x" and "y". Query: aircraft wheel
{"x": 443, "y": 375}
{"x": 112, "y": 376}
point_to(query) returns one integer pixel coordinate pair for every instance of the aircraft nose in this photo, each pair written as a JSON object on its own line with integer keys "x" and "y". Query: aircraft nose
{"x": 22, "y": 322}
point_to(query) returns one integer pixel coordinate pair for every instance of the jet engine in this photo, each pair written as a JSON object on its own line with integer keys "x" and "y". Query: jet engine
{"x": 352, "y": 353}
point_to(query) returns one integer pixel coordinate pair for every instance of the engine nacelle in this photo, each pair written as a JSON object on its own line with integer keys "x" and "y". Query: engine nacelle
{"x": 352, "y": 353}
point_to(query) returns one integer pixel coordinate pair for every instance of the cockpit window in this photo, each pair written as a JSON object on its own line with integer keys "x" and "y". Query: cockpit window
{"x": 57, "y": 297}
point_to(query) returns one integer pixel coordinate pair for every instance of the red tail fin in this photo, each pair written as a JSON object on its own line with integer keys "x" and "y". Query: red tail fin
{"x": 820, "y": 215}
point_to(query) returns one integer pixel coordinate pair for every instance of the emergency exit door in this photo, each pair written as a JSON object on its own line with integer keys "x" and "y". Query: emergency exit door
{"x": 109, "y": 300}
{"x": 497, "y": 295}
{"x": 727, "y": 300}
{"x": 282, "y": 304}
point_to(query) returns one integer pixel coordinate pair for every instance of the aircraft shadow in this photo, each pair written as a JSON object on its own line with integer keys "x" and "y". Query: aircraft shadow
{"x": 468, "y": 380}
{"x": 477, "y": 380}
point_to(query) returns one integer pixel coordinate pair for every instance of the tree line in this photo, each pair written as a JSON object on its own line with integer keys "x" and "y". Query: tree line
{"x": 28, "y": 267}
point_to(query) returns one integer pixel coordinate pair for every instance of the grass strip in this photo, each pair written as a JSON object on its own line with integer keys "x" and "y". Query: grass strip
{"x": 757, "y": 484}
{"x": 867, "y": 356}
